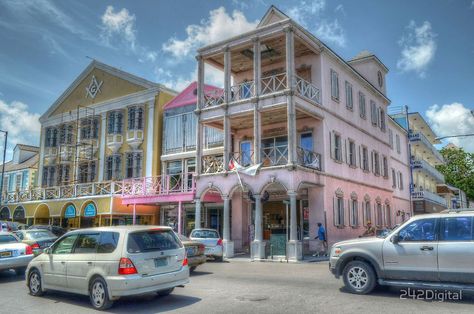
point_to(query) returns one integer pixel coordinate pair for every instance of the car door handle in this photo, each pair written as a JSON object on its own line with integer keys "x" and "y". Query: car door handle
{"x": 426, "y": 248}
{"x": 63, "y": 262}
{"x": 89, "y": 263}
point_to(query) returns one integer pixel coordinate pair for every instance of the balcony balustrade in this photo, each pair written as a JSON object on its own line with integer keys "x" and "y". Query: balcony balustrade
{"x": 308, "y": 158}
{"x": 426, "y": 195}
{"x": 308, "y": 90}
{"x": 159, "y": 185}
{"x": 421, "y": 164}
{"x": 419, "y": 137}
{"x": 212, "y": 164}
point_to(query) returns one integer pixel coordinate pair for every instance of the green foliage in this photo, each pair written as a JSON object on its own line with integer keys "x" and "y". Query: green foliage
{"x": 459, "y": 169}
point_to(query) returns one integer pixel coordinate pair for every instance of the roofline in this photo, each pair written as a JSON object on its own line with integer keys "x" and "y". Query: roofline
{"x": 429, "y": 127}
{"x": 398, "y": 125}
{"x": 372, "y": 56}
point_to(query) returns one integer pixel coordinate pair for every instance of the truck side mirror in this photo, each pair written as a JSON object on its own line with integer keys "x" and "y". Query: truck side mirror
{"x": 395, "y": 238}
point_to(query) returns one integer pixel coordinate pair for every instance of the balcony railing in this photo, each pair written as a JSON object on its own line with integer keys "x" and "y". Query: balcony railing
{"x": 241, "y": 91}
{"x": 421, "y": 164}
{"x": 212, "y": 164}
{"x": 243, "y": 158}
{"x": 274, "y": 156}
{"x": 308, "y": 90}
{"x": 64, "y": 192}
{"x": 159, "y": 185}
{"x": 308, "y": 158}
{"x": 414, "y": 137}
{"x": 273, "y": 83}
{"x": 213, "y": 98}
{"x": 426, "y": 195}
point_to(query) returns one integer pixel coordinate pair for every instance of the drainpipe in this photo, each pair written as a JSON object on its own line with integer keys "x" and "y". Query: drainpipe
{"x": 3, "y": 165}
{"x": 412, "y": 186}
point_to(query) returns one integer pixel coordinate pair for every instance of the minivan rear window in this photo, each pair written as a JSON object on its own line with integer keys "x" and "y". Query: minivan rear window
{"x": 205, "y": 234}
{"x": 152, "y": 240}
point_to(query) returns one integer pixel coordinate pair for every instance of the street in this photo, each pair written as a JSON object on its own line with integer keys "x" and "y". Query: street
{"x": 238, "y": 287}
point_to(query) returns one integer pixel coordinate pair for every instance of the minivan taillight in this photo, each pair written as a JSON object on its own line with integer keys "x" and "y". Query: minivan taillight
{"x": 126, "y": 267}
{"x": 185, "y": 261}
{"x": 28, "y": 250}
{"x": 219, "y": 242}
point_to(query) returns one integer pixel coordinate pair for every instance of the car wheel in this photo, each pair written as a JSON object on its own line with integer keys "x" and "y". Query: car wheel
{"x": 166, "y": 292}
{"x": 98, "y": 294}
{"x": 359, "y": 277}
{"x": 218, "y": 258}
{"x": 192, "y": 268}
{"x": 34, "y": 283}
{"x": 20, "y": 271}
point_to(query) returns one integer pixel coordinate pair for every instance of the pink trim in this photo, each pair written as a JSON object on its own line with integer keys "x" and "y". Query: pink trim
{"x": 188, "y": 97}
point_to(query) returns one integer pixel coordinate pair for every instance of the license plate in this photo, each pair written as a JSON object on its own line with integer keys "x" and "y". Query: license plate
{"x": 160, "y": 262}
{"x": 190, "y": 251}
{"x": 6, "y": 254}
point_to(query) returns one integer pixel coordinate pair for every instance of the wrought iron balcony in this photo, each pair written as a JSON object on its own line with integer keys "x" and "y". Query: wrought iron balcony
{"x": 423, "y": 165}
{"x": 308, "y": 158}
{"x": 426, "y": 195}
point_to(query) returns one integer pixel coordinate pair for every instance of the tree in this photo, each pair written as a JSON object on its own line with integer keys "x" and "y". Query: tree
{"x": 459, "y": 169}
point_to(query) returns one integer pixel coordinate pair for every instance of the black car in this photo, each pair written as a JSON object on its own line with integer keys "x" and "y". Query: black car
{"x": 56, "y": 230}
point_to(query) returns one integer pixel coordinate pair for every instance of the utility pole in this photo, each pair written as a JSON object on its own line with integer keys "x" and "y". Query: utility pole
{"x": 3, "y": 163}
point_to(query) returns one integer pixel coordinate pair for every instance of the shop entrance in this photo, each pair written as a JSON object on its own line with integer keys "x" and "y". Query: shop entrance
{"x": 5, "y": 214}
{"x": 41, "y": 215}
{"x": 89, "y": 215}
{"x": 19, "y": 215}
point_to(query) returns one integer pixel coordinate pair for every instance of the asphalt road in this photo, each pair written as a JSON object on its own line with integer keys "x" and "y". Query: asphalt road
{"x": 238, "y": 287}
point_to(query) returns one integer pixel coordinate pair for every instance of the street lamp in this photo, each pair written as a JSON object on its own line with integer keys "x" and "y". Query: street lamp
{"x": 3, "y": 163}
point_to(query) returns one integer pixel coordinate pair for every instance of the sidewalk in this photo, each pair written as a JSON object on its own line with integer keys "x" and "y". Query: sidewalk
{"x": 243, "y": 257}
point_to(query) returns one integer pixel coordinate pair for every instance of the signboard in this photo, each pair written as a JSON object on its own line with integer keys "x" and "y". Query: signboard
{"x": 70, "y": 211}
{"x": 419, "y": 206}
{"x": 90, "y": 210}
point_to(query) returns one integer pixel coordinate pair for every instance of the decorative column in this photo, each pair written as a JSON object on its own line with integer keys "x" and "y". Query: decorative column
{"x": 258, "y": 245}
{"x": 102, "y": 142}
{"x": 41, "y": 159}
{"x": 149, "y": 139}
{"x": 197, "y": 219}
{"x": 257, "y": 127}
{"x": 179, "y": 218}
{"x": 227, "y": 99}
{"x": 228, "y": 244}
{"x": 294, "y": 247}
{"x": 290, "y": 80}
{"x": 200, "y": 104}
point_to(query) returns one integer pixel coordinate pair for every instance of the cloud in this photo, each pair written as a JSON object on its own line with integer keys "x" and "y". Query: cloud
{"x": 472, "y": 4}
{"x": 418, "y": 48}
{"x": 340, "y": 9}
{"x": 453, "y": 119}
{"x": 119, "y": 24}
{"x": 213, "y": 76}
{"x": 220, "y": 25}
{"x": 22, "y": 125}
{"x": 307, "y": 12}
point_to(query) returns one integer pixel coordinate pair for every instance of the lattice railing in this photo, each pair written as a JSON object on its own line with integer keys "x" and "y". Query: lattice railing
{"x": 273, "y": 83}
{"x": 242, "y": 91}
{"x": 308, "y": 90}
{"x": 275, "y": 156}
{"x": 159, "y": 185}
{"x": 213, "y": 98}
{"x": 212, "y": 164}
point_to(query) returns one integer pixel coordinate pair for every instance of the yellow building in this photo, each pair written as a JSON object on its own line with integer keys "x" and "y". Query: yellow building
{"x": 104, "y": 128}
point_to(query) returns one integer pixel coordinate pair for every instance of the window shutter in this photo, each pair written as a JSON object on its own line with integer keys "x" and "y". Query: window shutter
{"x": 334, "y": 211}
{"x": 345, "y": 152}
{"x": 350, "y": 212}
{"x": 332, "y": 145}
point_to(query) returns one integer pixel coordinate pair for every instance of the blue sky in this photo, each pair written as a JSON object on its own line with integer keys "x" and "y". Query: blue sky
{"x": 427, "y": 45}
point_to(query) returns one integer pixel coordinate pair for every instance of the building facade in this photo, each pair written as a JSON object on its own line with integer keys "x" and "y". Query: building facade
{"x": 104, "y": 128}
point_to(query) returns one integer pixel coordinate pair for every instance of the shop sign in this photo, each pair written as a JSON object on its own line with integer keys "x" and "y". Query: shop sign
{"x": 90, "y": 210}
{"x": 70, "y": 211}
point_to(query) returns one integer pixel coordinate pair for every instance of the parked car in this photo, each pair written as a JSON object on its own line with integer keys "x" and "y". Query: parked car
{"x": 38, "y": 239}
{"x": 211, "y": 240}
{"x": 58, "y": 231}
{"x": 429, "y": 251}
{"x": 194, "y": 252}
{"x": 107, "y": 263}
{"x": 14, "y": 254}
{"x": 8, "y": 226}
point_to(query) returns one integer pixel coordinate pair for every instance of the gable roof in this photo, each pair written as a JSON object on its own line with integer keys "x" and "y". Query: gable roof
{"x": 29, "y": 148}
{"x": 367, "y": 55}
{"x": 31, "y": 162}
{"x": 110, "y": 70}
{"x": 272, "y": 15}
{"x": 188, "y": 96}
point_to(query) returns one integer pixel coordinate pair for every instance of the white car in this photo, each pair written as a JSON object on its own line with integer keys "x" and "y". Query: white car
{"x": 107, "y": 263}
{"x": 14, "y": 254}
{"x": 212, "y": 241}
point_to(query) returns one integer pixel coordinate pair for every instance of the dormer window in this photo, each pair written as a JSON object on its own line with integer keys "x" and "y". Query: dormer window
{"x": 380, "y": 79}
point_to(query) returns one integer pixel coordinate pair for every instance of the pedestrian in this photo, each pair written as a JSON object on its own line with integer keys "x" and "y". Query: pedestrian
{"x": 322, "y": 244}
{"x": 370, "y": 231}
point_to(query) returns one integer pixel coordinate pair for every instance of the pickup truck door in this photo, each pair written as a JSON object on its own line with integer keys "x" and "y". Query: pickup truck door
{"x": 415, "y": 256}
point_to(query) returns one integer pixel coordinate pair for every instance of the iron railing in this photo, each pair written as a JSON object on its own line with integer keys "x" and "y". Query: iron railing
{"x": 308, "y": 158}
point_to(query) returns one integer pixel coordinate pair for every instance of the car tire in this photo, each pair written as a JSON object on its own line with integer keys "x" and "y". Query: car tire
{"x": 34, "y": 283}
{"x": 359, "y": 277}
{"x": 164, "y": 293}
{"x": 99, "y": 295}
{"x": 20, "y": 271}
{"x": 192, "y": 268}
{"x": 218, "y": 258}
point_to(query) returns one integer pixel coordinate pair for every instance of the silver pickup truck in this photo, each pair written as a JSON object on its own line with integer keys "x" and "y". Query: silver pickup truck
{"x": 428, "y": 251}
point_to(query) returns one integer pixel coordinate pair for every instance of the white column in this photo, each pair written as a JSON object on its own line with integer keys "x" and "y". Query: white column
{"x": 197, "y": 218}
{"x": 294, "y": 248}
{"x": 257, "y": 73}
{"x": 134, "y": 213}
{"x": 180, "y": 229}
{"x": 258, "y": 245}
{"x": 228, "y": 244}
{"x": 102, "y": 142}
{"x": 150, "y": 139}
{"x": 200, "y": 104}
{"x": 41, "y": 159}
{"x": 293, "y": 219}
{"x": 227, "y": 99}
{"x": 291, "y": 111}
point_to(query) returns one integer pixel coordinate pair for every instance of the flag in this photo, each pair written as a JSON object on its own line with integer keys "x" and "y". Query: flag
{"x": 250, "y": 170}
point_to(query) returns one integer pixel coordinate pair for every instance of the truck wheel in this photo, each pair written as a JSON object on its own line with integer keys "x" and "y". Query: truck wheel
{"x": 359, "y": 277}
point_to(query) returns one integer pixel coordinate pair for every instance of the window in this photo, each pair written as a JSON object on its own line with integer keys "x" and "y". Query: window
{"x": 245, "y": 153}
{"x": 205, "y": 234}
{"x": 87, "y": 172}
{"x": 388, "y": 216}
{"x": 365, "y": 159}
{"x": 133, "y": 165}
{"x": 394, "y": 179}
{"x": 108, "y": 242}
{"x": 400, "y": 181}
{"x": 362, "y": 109}
{"x": 66, "y": 134}
{"x": 51, "y": 139}
{"x": 213, "y": 137}
{"x": 24, "y": 180}
{"x": 115, "y": 122}
{"x": 135, "y": 118}
{"x": 152, "y": 240}
{"x": 419, "y": 230}
{"x": 354, "y": 213}
{"x": 87, "y": 243}
{"x": 339, "y": 211}
{"x": 64, "y": 246}
{"x": 334, "y": 85}
{"x": 49, "y": 176}
{"x": 378, "y": 215}
{"x": 456, "y": 229}
{"x": 337, "y": 147}
{"x": 113, "y": 169}
{"x": 64, "y": 174}
{"x": 18, "y": 181}
{"x": 90, "y": 128}
{"x": 349, "y": 101}
{"x": 180, "y": 133}
{"x": 375, "y": 163}
{"x": 397, "y": 142}
{"x": 352, "y": 154}
{"x": 367, "y": 212}
{"x": 385, "y": 166}
{"x": 382, "y": 119}
{"x": 390, "y": 138}
{"x": 373, "y": 112}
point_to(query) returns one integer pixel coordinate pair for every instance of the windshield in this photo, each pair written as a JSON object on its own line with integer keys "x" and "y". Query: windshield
{"x": 7, "y": 239}
{"x": 205, "y": 234}
{"x": 39, "y": 234}
{"x": 387, "y": 231}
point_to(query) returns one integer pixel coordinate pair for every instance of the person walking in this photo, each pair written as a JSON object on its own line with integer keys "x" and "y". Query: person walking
{"x": 322, "y": 246}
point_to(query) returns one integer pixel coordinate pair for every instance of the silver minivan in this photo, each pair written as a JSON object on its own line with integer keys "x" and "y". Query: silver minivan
{"x": 107, "y": 263}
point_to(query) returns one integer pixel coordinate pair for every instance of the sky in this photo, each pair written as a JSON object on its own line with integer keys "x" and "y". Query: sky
{"x": 428, "y": 46}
